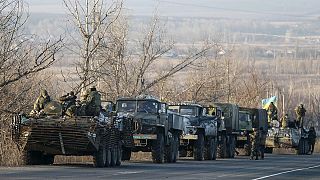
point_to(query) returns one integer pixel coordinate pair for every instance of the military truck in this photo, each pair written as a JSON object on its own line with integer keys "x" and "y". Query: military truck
{"x": 154, "y": 129}
{"x": 199, "y": 137}
{"x": 43, "y": 136}
{"x": 289, "y": 138}
{"x": 227, "y": 136}
{"x": 250, "y": 118}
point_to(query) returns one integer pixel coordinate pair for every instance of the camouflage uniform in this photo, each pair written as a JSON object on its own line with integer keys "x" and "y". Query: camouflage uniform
{"x": 41, "y": 101}
{"x": 93, "y": 103}
{"x": 68, "y": 101}
{"x": 284, "y": 121}
{"x": 254, "y": 138}
{"x": 272, "y": 112}
{"x": 300, "y": 112}
{"x": 312, "y": 139}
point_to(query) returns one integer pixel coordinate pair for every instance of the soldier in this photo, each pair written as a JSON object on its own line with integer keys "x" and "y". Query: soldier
{"x": 312, "y": 139}
{"x": 300, "y": 112}
{"x": 41, "y": 101}
{"x": 272, "y": 112}
{"x": 284, "y": 121}
{"x": 262, "y": 141}
{"x": 68, "y": 100}
{"x": 254, "y": 138}
{"x": 93, "y": 102}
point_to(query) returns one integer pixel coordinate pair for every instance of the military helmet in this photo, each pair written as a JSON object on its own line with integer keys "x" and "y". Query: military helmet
{"x": 71, "y": 93}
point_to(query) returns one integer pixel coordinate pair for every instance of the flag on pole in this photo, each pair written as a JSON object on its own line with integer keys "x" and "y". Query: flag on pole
{"x": 267, "y": 102}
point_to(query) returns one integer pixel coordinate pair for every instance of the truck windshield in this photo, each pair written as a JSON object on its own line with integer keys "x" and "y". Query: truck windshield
{"x": 126, "y": 106}
{"x": 137, "y": 106}
{"x": 189, "y": 110}
{"x": 245, "y": 121}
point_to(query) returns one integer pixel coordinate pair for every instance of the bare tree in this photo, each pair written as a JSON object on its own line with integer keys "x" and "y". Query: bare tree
{"x": 22, "y": 57}
{"x": 93, "y": 19}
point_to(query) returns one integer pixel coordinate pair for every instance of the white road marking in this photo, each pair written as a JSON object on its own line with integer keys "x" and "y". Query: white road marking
{"x": 285, "y": 172}
{"x": 128, "y": 172}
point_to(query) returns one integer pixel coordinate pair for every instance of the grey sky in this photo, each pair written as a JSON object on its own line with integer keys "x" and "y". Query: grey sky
{"x": 204, "y": 8}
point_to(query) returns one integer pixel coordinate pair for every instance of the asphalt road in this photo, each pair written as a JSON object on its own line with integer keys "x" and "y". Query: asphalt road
{"x": 273, "y": 167}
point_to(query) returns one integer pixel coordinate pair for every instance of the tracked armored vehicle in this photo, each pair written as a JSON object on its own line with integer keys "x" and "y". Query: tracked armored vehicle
{"x": 199, "y": 138}
{"x": 154, "y": 129}
{"x": 290, "y": 138}
{"x": 47, "y": 135}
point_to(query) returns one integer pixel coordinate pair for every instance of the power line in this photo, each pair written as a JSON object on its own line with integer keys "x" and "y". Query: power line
{"x": 237, "y": 10}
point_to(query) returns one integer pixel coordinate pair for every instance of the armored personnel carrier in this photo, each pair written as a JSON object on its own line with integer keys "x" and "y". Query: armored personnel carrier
{"x": 44, "y": 136}
{"x": 290, "y": 138}
{"x": 199, "y": 136}
{"x": 154, "y": 129}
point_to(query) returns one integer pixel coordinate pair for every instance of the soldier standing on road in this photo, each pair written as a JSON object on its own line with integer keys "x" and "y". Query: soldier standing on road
{"x": 254, "y": 138}
{"x": 284, "y": 121}
{"x": 312, "y": 139}
{"x": 272, "y": 112}
{"x": 262, "y": 141}
{"x": 41, "y": 101}
{"x": 300, "y": 112}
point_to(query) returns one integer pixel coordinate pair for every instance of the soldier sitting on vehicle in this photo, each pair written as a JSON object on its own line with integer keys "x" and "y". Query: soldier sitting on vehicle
{"x": 68, "y": 100}
{"x": 272, "y": 112}
{"x": 300, "y": 112}
{"x": 284, "y": 121}
{"x": 40, "y": 103}
{"x": 93, "y": 102}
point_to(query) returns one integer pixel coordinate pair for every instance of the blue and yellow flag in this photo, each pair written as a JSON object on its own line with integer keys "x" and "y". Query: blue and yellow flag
{"x": 267, "y": 102}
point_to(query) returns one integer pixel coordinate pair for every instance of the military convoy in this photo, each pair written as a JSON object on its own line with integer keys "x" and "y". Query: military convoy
{"x": 199, "y": 137}
{"x": 154, "y": 129}
{"x": 146, "y": 124}
{"x": 50, "y": 134}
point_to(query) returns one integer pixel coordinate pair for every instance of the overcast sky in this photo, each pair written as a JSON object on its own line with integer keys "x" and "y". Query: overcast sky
{"x": 203, "y": 8}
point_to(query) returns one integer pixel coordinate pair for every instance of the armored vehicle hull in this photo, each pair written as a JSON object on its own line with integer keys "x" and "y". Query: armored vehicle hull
{"x": 43, "y": 138}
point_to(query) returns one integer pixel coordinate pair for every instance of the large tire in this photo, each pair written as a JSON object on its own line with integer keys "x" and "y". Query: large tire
{"x": 222, "y": 147}
{"x": 33, "y": 158}
{"x": 198, "y": 149}
{"x": 171, "y": 151}
{"x": 99, "y": 157}
{"x": 119, "y": 156}
{"x": 158, "y": 149}
{"x": 108, "y": 158}
{"x": 303, "y": 147}
{"x": 114, "y": 156}
{"x": 231, "y": 147}
{"x": 177, "y": 145}
{"x": 210, "y": 151}
{"x": 126, "y": 154}
{"x": 48, "y": 159}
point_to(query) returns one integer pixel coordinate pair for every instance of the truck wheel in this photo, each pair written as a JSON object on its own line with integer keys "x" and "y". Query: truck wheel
{"x": 99, "y": 158}
{"x": 119, "y": 156}
{"x": 172, "y": 150}
{"x": 222, "y": 147}
{"x": 158, "y": 149}
{"x": 108, "y": 158}
{"x": 198, "y": 152}
{"x": 48, "y": 159}
{"x": 126, "y": 154}
{"x": 113, "y": 156}
{"x": 231, "y": 147}
{"x": 301, "y": 147}
{"x": 176, "y": 149}
{"x": 32, "y": 158}
{"x": 210, "y": 150}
